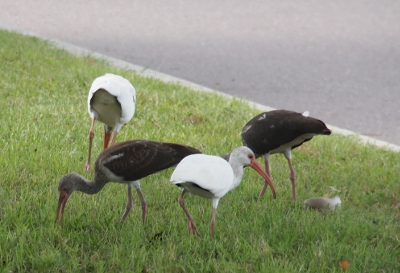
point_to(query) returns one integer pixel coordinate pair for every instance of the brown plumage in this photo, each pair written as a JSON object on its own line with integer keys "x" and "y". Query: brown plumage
{"x": 280, "y": 131}
{"x": 124, "y": 162}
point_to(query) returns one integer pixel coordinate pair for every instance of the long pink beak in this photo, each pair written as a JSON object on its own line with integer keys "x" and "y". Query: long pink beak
{"x": 62, "y": 201}
{"x": 257, "y": 167}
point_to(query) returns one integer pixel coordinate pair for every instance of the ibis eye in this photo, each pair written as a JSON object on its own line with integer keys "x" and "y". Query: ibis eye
{"x": 250, "y": 156}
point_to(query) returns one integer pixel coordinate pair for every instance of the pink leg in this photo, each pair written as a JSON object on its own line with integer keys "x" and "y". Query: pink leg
{"x": 114, "y": 138}
{"x": 144, "y": 204}
{"x": 91, "y": 136}
{"x": 128, "y": 205}
{"x": 191, "y": 224}
{"x": 267, "y": 168}
{"x": 214, "y": 214}
{"x": 292, "y": 178}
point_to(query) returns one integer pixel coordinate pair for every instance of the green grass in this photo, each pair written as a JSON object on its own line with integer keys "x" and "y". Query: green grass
{"x": 44, "y": 135}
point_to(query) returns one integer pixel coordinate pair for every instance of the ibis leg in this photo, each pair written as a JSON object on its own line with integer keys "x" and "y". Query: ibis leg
{"x": 143, "y": 203}
{"x": 267, "y": 167}
{"x": 114, "y": 138}
{"x": 292, "y": 178}
{"x": 191, "y": 224}
{"x": 128, "y": 205}
{"x": 91, "y": 136}
{"x": 288, "y": 156}
{"x": 214, "y": 214}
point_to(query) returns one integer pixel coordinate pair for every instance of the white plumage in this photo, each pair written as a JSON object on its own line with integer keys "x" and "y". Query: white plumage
{"x": 111, "y": 100}
{"x": 212, "y": 177}
{"x": 117, "y": 89}
{"x": 211, "y": 173}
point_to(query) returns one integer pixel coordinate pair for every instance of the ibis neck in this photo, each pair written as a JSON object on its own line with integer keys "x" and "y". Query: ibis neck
{"x": 237, "y": 172}
{"x": 90, "y": 186}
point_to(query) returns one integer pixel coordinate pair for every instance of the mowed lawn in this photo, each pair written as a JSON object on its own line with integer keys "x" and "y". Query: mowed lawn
{"x": 44, "y": 135}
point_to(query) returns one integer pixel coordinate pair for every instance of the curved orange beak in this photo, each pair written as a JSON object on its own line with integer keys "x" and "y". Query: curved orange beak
{"x": 62, "y": 201}
{"x": 257, "y": 167}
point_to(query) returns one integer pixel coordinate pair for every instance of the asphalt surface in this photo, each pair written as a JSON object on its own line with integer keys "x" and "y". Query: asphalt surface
{"x": 340, "y": 59}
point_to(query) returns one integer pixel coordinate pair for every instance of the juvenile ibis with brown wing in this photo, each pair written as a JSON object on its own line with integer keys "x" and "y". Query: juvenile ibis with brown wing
{"x": 125, "y": 162}
{"x": 280, "y": 131}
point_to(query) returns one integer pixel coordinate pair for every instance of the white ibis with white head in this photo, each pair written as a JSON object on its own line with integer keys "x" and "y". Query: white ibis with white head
{"x": 125, "y": 162}
{"x": 280, "y": 131}
{"x": 212, "y": 177}
{"x": 111, "y": 100}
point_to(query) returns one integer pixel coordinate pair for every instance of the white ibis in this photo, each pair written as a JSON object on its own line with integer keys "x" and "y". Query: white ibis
{"x": 125, "y": 162}
{"x": 321, "y": 203}
{"x": 111, "y": 100}
{"x": 280, "y": 131}
{"x": 212, "y": 177}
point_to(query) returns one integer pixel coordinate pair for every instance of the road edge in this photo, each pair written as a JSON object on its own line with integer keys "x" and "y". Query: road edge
{"x": 79, "y": 51}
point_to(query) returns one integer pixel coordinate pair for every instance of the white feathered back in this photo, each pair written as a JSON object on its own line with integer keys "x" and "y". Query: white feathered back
{"x": 120, "y": 88}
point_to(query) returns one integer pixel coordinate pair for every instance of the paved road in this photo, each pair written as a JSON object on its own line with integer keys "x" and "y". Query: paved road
{"x": 338, "y": 59}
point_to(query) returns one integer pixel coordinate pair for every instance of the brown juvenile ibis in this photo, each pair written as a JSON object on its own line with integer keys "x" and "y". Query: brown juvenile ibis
{"x": 280, "y": 131}
{"x": 212, "y": 177}
{"x": 111, "y": 100}
{"x": 125, "y": 162}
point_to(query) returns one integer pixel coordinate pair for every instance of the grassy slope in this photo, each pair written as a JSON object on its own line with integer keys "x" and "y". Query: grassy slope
{"x": 44, "y": 130}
